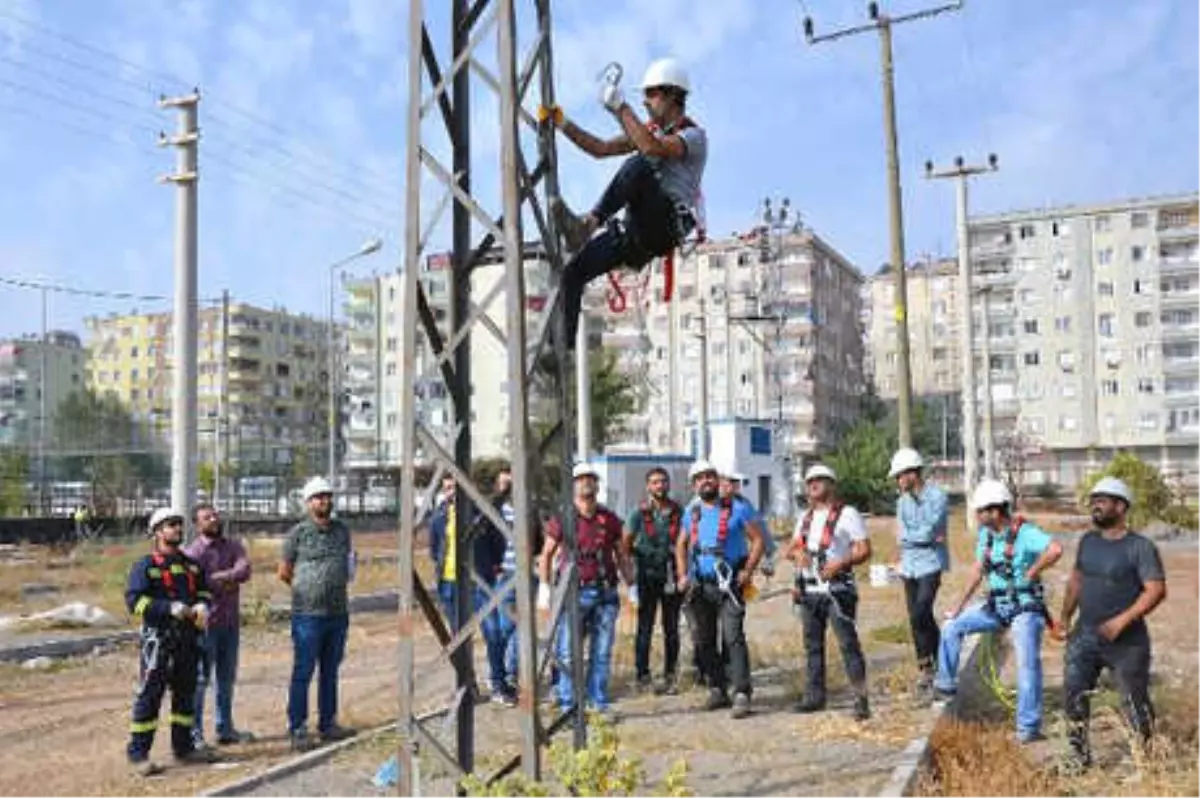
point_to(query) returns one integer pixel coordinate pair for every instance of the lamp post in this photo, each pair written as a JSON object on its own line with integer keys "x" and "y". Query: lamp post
{"x": 370, "y": 247}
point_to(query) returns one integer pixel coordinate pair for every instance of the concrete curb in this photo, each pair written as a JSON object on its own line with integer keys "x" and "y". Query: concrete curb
{"x": 383, "y": 601}
{"x": 295, "y": 764}
{"x": 904, "y": 776}
{"x": 65, "y": 647}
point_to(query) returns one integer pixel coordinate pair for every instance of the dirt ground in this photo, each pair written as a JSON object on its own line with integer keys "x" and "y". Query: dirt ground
{"x": 63, "y": 730}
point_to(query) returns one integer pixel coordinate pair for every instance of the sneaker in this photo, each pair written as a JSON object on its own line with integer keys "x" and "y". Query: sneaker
{"x": 197, "y": 756}
{"x": 235, "y": 738}
{"x": 645, "y": 684}
{"x": 1030, "y": 737}
{"x": 741, "y": 706}
{"x": 668, "y": 686}
{"x": 808, "y": 705}
{"x": 335, "y": 733}
{"x": 508, "y": 696}
{"x": 942, "y": 694}
{"x": 300, "y": 742}
{"x": 717, "y": 699}
{"x": 862, "y": 708}
{"x": 575, "y": 231}
{"x": 145, "y": 768}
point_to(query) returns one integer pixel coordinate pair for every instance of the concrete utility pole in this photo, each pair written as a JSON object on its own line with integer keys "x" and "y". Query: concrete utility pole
{"x": 222, "y": 401}
{"x": 961, "y": 172}
{"x": 989, "y": 442}
{"x": 369, "y": 247}
{"x": 702, "y": 422}
{"x": 183, "y": 410}
{"x": 883, "y": 24}
{"x": 583, "y": 390}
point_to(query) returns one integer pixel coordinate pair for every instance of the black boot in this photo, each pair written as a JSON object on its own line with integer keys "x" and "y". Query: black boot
{"x": 812, "y": 702}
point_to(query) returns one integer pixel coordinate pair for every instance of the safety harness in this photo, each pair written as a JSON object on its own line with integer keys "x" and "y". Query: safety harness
{"x": 673, "y": 522}
{"x": 591, "y": 548}
{"x": 1005, "y": 570}
{"x": 166, "y": 573}
{"x": 686, "y": 219}
{"x": 813, "y": 582}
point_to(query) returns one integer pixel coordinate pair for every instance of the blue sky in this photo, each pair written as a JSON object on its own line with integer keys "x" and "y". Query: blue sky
{"x": 303, "y": 124}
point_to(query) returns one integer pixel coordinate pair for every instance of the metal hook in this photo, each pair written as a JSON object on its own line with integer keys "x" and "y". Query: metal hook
{"x": 611, "y": 74}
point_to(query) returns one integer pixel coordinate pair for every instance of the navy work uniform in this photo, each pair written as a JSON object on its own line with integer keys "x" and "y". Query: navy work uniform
{"x": 170, "y": 647}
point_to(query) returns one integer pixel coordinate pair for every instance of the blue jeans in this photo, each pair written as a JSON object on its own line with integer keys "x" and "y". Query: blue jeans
{"x": 219, "y": 652}
{"x": 316, "y": 640}
{"x": 598, "y": 608}
{"x": 1026, "y": 636}
{"x": 497, "y": 629}
{"x": 447, "y": 593}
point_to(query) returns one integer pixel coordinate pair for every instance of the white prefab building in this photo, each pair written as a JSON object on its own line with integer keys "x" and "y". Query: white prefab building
{"x": 623, "y": 478}
{"x": 747, "y": 445}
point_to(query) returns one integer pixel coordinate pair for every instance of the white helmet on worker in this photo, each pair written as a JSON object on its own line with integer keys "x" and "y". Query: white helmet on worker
{"x": 162, "y": 515}
{"x": 666, "y": 72}
{"x": 584, "y": 469}
{"x": 991, "y": 493}
{"x": 317, "y": 486}
{"x": 1113, "y": 488}
{"x": 905, "y": 460}
{"x": 820, "y": 471}
{"x": 701, "y": 467}
{"x": 738, "y": 478}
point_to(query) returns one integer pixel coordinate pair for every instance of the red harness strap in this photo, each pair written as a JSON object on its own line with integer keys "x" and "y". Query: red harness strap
{"x": 722, "y": 523}
{"x": 168, "y": 579}
{"x": 672, "y": 524}
{"x": 831, "y": 521}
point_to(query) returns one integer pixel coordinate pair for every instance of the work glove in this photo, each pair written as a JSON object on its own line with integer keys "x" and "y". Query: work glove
{"x": 543, "y": 597}
{"x": 553, "y": 113}
{"x": 351, "y": 565}
{"x": 179, "y": 610}
{"x": 633, "y": 595}
{"x": 200, "y": 616}
{"x": 611, "y": 97}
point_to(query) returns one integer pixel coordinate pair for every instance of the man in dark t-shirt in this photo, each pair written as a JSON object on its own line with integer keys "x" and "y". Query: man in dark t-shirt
{"x": 1117, "y": 581}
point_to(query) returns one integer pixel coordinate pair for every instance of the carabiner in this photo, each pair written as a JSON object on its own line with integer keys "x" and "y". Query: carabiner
{"x": 611, "y": 74}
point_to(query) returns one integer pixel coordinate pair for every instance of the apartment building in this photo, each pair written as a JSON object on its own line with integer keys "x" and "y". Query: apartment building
{"x": 1093, "y": 328}
{"x": 261, "y": 379}
{"x": 30, "y": 366}
{"x": 780, "y": 313}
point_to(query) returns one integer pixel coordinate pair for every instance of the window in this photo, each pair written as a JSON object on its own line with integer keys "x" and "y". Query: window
{"x": 1034, "y": 425}
{"x": 133, "y": 351}
{"x": 1109, "y": 388}
{"x": 1106, "y": 325}
{"x": 1178, "y": 385}
{"x": 1033, "y": 358}
{"x": 1139, "y": 219}
{"x": 1104, "y": 288}
{"x": 1147, "y": 421}
{"x": 1136, "y": 254}
{"x": 1062, "y": 324}
{"x": 939, "y": 353}
{"x": 1066, "y": 361}
{"x": 1139, "y": 287}
{"x": 1067, "y": 391}
{"x": 1144, "y": 353}
{"x": 1102, "y": 224}
{"x": 1026, "y": 231}
{"x": 1184, "y": 418}
{"x": 1067, "y": 423}
{"x": 1143, "y": 319}
{"x": 1110, "y": 421}
{"x": 1031, "y": 326}
{"x": 1145, "y": 385}
{"x": 391, "y": 369}
{"x": 1104, "y": 256}
{"x": 391, "y": 344}
{"x": 716, "y": 262}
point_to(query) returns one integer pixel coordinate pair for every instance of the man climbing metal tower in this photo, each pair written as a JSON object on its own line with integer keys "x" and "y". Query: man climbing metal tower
{"x": 658, "y": 186}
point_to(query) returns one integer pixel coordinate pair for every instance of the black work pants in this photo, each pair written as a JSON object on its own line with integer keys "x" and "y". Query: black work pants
{"x": 818, "y": 610}
{"x": 721, "y": 635}
{"x": 169, "y": 658}
{"x": 920, "y": 594}
{"x": 1128, "y": 657}
{"x": 652, "y": 595}
{"x": 650, "y": 229}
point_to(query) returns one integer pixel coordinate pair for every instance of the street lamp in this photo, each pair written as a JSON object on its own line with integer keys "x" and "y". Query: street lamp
{"x": 370, "y": 247}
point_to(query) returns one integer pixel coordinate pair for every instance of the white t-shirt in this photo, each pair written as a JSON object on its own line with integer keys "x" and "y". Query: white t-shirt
{"x": 850, "y": 528}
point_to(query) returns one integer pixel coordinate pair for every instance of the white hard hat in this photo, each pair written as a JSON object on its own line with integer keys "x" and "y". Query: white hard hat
{"x": 1111, "y": 486}
{"x": 738, "y": 477}
{"x": 991, "y": 493}
{"x": 163, "y": 514}
{"x": 584, "y": 469}
{"x": 701, "y": 467}
{"x": 820, "y": 471}
{"x": 905, "y": 460}
{"x": 316, "y": 486}
{"x": 666, "y": 72}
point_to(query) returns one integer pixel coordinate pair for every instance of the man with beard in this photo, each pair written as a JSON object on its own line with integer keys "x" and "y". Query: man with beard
{"x": 658, "y": 186}
{"x": 716, "y": 557}
{"x": 316, "y": 563}
{"x": 1117, "y": 581}
{"x": 598, "y": 568}
{"x": 651, "y": 532}
{"x": 167, "y": 593}
{"x": 496, "y": 560}
{"x": 226, "y": 568}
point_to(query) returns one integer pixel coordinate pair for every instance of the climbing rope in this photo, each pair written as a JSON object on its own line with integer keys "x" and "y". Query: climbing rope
{"x": 991, "y": 676}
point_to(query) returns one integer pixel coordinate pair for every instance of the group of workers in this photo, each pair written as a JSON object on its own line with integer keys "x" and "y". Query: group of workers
{"x": 188, "y": 601}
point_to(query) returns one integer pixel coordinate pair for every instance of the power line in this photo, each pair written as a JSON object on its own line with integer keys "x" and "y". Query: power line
{"x": 145, "y": 109}
{"x": 37, "y": 285}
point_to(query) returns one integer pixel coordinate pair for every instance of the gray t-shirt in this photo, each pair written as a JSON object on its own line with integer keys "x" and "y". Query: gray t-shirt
{"x": 681, "y": 177}
{"x": 321, "y": 562}
{"x": 1113, "y": 573}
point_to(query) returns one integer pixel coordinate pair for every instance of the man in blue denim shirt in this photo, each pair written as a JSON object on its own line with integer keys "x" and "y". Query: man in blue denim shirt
{"x": 921, "y": 514}
{"x": 1012, "y": 554}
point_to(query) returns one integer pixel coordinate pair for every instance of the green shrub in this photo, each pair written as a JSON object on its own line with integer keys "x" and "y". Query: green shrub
{"x": 1153, "y": 498}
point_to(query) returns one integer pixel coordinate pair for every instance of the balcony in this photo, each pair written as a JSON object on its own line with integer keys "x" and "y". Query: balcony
{"x": 1180, "y": 332}
{"x": 1174, "y": 264}
{"x": 1185, "y": 364}
{"x": 1180, "y": 299}
{"x": 1183, "y": 434}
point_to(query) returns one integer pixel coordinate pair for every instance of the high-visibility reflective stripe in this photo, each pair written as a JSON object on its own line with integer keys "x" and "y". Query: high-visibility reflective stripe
{"x": 154, "y": 573}
{"x": 203, "y": 594}
{"x": 182, "y": 720}
{"x": 143, "y": 726}
{"x": 141, "y": 605}
{"x": 178, "y": 569}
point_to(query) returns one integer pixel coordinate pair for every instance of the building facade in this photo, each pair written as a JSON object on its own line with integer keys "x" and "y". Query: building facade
{"x": 1093, "y": 325}
{"x": 29, "y": 366}
{"x": 779, "y": 317}
{"x": 262, "y": 381}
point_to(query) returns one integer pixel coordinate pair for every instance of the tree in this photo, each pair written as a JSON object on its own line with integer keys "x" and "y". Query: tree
{"x": 206, "y": 477}
{"x": 613, "y": 396}
{"x": 1153, "y": 498}
{"x": 1013, "y": 450}
{"x": 14, "y": 476}
{"x": 861, "y": 463}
